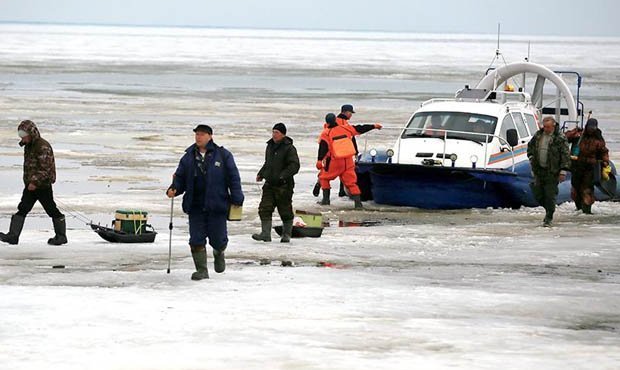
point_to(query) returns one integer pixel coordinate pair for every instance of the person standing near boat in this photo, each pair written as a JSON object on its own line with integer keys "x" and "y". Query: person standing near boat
{"x": 209, "y": 179}
{"x": 39, "y": 175}
{"x": 592, "y": 153}
{"x": 549, "y": 158}
{"x": 337, "y": 147}
{"x": 281, "y": 164}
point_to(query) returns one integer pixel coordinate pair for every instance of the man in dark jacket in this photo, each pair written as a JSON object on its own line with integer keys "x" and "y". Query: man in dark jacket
{"x": 209, "y": 178}
{"x": 549, "y": 157}
{"x": 281, "y": 164}
{"x": 39, "y": 175}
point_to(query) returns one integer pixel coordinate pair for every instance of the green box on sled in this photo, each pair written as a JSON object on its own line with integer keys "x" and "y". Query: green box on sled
{"x": 310, "y": 219}
{"x": 130, "y": 221}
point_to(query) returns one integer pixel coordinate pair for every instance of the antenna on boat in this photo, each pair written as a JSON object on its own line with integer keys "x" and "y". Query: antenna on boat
{"x": 527, "y": 59}
{"x": 497, "y": 52}
{"x": 529, "y": 43}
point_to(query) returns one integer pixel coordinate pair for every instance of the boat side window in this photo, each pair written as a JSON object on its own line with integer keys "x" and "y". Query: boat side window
{"x": 531, "y": 123}
{"x": 507, "y": 124}
{"x": 415, "y": 126}
{"x": 518, "y": 118}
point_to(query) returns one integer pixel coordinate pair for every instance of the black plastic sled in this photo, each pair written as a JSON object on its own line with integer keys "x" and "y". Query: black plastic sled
{"x": 114, "y": 236}
{"x": 302, "y": 232}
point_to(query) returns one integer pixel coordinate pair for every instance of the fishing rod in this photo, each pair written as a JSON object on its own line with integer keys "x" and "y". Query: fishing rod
{"x": 170, "y": 227}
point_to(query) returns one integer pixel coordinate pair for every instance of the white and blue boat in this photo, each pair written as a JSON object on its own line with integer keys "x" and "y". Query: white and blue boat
{"x": 470, "y": 151}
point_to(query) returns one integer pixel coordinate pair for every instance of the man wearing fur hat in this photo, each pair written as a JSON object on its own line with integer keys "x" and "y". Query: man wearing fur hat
{"x": 281, "y": 164}
{"x": 592, "y": 153}
{"x": 39, "y": 175}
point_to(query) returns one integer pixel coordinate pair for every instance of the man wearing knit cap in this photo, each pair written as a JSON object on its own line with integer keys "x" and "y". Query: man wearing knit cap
{"x": 281, "y": 164}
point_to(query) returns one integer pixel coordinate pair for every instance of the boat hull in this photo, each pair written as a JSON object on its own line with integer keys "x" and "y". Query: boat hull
{"x": 435, "y": 187}
{"x": 438, "y": 187}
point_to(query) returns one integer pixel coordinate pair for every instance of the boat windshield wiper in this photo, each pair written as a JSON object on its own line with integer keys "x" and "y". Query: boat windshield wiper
{"x": 418, "y": 134}
{"x": 414, "y": 134}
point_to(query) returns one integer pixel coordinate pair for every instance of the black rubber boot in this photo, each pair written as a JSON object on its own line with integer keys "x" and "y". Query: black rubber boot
{"x": 317, "y": 189}
{"x": 60, "y": 228}
{"x": 342, "y": 192}
{"x": 219, "y": 262}
{"x": 587, "y": 209}
{"x": 358, "y": 201}
{"x": 265, "y": 234}
{"x": 325, "y": 200}
{"x": 15, "y": 230}
{"x": 287, "y": 231}
{"x": 199, "y": 254}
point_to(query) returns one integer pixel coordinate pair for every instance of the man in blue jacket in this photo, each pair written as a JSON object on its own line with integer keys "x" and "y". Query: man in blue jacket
{"x": 209, "y": 178}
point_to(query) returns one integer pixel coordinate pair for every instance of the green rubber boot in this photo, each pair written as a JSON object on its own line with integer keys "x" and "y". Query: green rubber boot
{"x": 265, "y": 234}
{"x": 199, "y": 254}
{"x": 219, "y": 262}
{"x": 287, "y": 231}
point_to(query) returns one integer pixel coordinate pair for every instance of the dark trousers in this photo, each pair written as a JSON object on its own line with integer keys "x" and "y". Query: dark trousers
{"x": 45, "y": 196}
{"x": 545, "y": 189}
{"x": 203, "y": 225}
{"x": 582, "y": 183}
{"x": 280, "y": 197}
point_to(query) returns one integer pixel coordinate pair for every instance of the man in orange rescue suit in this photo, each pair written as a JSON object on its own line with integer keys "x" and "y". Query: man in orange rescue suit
{"x": 337, "y": 148}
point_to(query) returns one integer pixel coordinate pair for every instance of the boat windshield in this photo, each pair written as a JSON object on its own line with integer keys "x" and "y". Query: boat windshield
{"x": 459, "y": 125}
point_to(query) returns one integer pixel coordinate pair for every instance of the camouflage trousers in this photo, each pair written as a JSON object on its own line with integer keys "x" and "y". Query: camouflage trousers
{"x": 545, "y": 189}
{"x": 280, "y": 197}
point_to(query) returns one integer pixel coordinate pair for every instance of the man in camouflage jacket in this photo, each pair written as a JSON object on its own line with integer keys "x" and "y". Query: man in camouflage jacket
{"x": 550, "y": 159}
{"x": 39, "y": 175}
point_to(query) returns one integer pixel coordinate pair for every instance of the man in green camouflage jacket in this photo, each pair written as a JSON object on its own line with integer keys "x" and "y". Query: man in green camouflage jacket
{"x": 550, "y": 159}
{"x": 39, "y": 175}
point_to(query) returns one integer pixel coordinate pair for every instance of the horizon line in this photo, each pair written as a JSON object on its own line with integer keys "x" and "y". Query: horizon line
{"x": 57, "y": 23}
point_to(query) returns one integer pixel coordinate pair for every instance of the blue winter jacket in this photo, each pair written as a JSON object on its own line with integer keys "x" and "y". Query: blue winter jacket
{"x": 223, "y": 184}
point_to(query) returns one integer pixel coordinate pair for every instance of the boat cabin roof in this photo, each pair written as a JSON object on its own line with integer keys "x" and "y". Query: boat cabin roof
{"x": 491, "y": 103}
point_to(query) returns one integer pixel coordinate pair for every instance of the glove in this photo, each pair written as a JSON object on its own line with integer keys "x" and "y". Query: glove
{"x": 605, "y": 173}
{"x": 281, "y": 181}
{"x": 319, "y": 165}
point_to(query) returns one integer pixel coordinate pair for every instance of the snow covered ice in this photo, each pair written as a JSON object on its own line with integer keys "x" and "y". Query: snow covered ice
{"x": 470, "y": 289}
{"x": 458, "y": 289}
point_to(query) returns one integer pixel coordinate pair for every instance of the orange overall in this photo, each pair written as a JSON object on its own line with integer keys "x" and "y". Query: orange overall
{"x": 339, "y": 159}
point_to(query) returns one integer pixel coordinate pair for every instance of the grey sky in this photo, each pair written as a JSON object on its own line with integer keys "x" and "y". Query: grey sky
{"x": 530, "y": 17}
